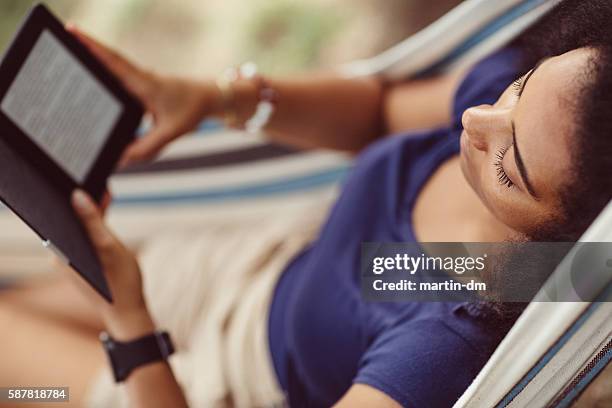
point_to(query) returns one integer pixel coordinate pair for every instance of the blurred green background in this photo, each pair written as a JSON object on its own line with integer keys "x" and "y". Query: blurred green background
{"x": 12, "y": 11}
{"x": 201, "y": 37}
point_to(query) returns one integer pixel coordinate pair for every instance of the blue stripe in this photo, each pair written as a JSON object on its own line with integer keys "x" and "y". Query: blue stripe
{"x": 204, "y": 128}
{"x": 301, "y": 183}
{"x": 520, "y": 386}
{"x": 487, "y": 31}
{"x": 209, "y": 126}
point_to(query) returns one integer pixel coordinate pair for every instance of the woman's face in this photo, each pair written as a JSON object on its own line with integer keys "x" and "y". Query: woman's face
{"x": 516, "y": 153}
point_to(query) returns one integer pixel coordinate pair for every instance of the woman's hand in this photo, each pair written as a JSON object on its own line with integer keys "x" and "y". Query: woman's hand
{"x": 127, "y": 317}
{"x": 151, "y": 385}
{"x": 177, "y": 105}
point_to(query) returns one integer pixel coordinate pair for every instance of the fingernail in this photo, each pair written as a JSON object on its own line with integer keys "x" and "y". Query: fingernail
{"x": 79, "y": 198}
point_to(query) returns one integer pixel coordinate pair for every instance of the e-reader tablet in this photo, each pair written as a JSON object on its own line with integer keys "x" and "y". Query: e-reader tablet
{"x": 64, "y": 122}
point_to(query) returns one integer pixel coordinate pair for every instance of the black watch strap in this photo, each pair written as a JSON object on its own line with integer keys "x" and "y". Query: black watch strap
{"x": 127, "y": 356}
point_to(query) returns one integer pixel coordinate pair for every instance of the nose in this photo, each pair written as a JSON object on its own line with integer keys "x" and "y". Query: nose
{"x": 482, "y": 123}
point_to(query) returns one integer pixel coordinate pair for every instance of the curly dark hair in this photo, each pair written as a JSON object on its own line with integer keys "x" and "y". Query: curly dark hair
{"x": 571, "y": 25}
{"x": 575, "y": 24}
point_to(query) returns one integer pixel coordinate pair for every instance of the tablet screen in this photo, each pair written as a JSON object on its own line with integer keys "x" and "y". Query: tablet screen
{"x": 61, "y": 106}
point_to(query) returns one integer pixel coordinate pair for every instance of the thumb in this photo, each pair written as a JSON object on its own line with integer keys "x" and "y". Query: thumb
{"x": 146, "y": 147}
{"x": 91, "y": 218}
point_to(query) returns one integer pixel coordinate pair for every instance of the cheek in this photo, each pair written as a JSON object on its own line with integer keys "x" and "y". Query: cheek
{"x": 474, "y": 166}
{"x": 508, "y": 205}
{"x": 471, "y": 160}
{"x": 512, "y": 207}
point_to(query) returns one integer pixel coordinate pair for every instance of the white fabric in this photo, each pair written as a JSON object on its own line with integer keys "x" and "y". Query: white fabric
{"x": 569, "y": 360}
{"x": 502, "y": 37}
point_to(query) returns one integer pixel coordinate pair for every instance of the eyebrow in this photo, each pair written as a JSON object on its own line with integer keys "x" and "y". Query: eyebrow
{"x": 520, "y": 165}
{"x": 535, "y": 68}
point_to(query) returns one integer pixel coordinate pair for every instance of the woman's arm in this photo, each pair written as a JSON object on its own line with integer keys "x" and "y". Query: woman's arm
{"x": 313, "y": 110}
{"x": 319, "y": 110}
{"x": 127, "y": 318}
{"x": 154, "y": 386}
{"x": 326, "y": 110}
{"x": 364, "y": 396}
{"x": 420, "y": 104}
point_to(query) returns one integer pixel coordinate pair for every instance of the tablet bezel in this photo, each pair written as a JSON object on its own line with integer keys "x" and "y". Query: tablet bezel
{"x": 40, "y": 19}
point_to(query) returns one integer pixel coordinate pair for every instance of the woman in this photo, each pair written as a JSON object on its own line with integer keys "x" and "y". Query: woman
{"x": 525, "y": 158}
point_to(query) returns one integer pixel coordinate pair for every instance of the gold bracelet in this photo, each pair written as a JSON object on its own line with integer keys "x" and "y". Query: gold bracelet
{"x": 224, "y": 83}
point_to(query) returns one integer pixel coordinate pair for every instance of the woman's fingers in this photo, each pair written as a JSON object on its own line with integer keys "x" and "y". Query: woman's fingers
{"x": 131, "y": 76}
{"x": 145, "y": 148}
{"x": 111, "y": 58}
{"x": 92, "y": 220}
{"x": 107, "y": 198}
{"x": 140, "y": 83}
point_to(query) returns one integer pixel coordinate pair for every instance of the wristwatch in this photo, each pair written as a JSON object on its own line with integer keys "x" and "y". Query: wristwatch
{"x": 125, "y": 357}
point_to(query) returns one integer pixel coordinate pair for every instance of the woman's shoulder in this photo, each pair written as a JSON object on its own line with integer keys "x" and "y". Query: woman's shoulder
{"x": 428, "y": 360}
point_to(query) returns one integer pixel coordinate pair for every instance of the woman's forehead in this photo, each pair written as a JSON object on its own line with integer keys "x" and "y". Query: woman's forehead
{"x": 545, "y": 118}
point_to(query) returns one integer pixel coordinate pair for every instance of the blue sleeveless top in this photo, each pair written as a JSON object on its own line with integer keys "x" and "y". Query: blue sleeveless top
{"x": 324, "y": 336}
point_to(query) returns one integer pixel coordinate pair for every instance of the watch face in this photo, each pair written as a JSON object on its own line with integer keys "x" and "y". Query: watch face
{"x": 107, "y": 341}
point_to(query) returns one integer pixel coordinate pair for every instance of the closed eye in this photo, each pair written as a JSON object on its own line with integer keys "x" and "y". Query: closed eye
{"x": 517, "y": 86}
{"x": 502, "y": 176}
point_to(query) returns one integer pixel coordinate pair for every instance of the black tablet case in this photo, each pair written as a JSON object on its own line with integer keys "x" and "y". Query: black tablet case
{"x": 48, "y": 211}
{"x": 45, "y": 207}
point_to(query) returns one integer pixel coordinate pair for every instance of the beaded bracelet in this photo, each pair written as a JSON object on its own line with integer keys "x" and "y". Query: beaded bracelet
{"x": 267, "y": 97}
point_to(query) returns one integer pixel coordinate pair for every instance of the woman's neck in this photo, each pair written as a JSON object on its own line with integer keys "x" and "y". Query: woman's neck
{"x": 448, "y": 210}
